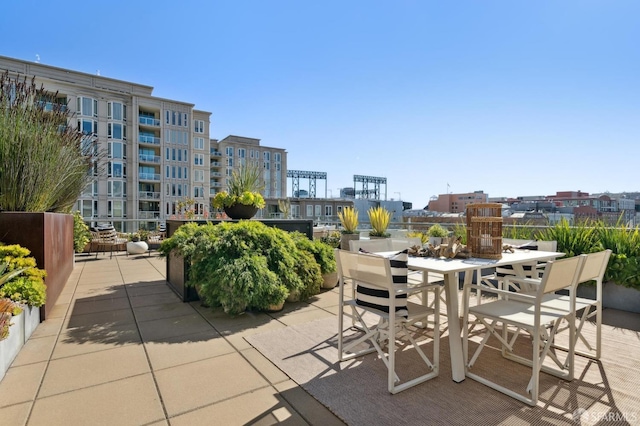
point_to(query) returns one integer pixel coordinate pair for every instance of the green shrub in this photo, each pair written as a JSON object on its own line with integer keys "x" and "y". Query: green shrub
{"x": 81, "y": 233}
{"x": 246, "y": 265}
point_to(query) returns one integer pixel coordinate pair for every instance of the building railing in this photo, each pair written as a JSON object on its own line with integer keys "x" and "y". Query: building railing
{"x": 149, "y": 139}
{"x": 144, "y": 214}
{"x": 149, "y": 195}
{"x": 149, "y": 158}
{"x": 149, "y": 176}
{"x": 215, "y": 154}
{"x": 148, "y": 121}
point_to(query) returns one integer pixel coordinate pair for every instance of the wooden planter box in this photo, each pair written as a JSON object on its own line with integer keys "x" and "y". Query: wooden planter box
{"x": 178, "y": 268}
{"x": 49, "y": 236}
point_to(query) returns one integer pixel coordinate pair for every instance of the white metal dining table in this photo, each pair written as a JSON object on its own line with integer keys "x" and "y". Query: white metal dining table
{"x": 450, "y": 269}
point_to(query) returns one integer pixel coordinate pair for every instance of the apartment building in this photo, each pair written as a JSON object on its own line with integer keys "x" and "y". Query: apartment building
{"x": 150, "y": 153}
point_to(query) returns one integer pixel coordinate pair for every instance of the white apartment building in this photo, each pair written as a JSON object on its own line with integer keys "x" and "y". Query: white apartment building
{"x": 150, "y": 153}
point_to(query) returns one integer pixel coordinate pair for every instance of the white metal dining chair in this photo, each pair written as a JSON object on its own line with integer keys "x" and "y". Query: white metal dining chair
{"x": 518, "y": 312}
{"x": 381, "y": 293}
{"x": 594, "y": 268}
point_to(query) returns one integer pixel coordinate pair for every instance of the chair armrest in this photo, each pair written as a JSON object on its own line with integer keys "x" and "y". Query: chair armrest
{"x": 412, "y": 288}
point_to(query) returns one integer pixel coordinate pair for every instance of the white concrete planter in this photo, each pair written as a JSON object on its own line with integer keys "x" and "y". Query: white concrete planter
{"x": 614, "y": 296}
{"x": 329, "y": 280}
{"x": 137, "y": 247}
{"x": 10, "y": 347}
{"x": 31, "y": 320}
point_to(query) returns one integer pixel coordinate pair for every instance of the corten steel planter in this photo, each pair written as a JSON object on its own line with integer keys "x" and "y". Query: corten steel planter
{"x": 49, "y": 237}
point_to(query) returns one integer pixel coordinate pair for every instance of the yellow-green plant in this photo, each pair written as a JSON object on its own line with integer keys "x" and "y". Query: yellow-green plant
{"x": 424, "y": 238}
{"x": 437, "y": 230}
{"x": 349, "y": 220}
{"x": 379, "y": 217}
{"x": 244, "y": 187}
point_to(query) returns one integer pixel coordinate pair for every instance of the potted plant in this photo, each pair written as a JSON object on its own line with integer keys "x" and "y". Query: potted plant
{"x": 436, "y": 234}
{"x": 379, "y": 218}
{"x": 243, "y": 198}
{"x": 138, "y": 242}
{"x": 349, "y": 220}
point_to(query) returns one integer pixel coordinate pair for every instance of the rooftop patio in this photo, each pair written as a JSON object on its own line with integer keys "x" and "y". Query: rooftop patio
{"x": 121, "y": 348}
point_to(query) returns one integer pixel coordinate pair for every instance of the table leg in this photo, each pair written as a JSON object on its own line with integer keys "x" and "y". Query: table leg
{"x": 453, "y": 318}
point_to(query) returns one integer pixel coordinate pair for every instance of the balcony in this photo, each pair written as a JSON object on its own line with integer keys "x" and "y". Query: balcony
{"x": 152, "y": 140}
{"x": 51, "y": 106}
{"x": 215, "y": 184}
{"x": 149, "y": 158}
{"x": 145, "y": 195}
{"x": 216, "y": 174}
{"x": 215, "y": 164}
{"x": 149, "y": 176}
{"x": 145, "y": 214}
{"x": 216, "y": 154}
{"x": 148, "y": 121}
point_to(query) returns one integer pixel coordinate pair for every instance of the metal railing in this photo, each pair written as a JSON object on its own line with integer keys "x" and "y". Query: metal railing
{"x": 148, "y": 121}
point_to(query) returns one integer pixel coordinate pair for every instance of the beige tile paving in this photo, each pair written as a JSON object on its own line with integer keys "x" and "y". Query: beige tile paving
{"x": 80, "y": 371}
{"x": 180, "y": 350}
{"x": 121, "y": 348}
{"x": 261, "y": 407}
{"x": 198, "y": 384}
{"x": 130, "y": 401}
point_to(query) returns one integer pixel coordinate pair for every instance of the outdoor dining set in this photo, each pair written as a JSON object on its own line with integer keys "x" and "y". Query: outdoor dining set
{"x": 524, "y": 297}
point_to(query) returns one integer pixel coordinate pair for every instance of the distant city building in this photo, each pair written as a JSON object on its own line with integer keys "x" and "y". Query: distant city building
{"x": 456, "y": 203}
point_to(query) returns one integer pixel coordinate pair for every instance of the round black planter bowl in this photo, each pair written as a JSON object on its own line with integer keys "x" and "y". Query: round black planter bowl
{"x": 241, "y": 211}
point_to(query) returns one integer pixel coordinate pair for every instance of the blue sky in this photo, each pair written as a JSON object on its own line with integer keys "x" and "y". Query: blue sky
{"x": 509, "y": 97}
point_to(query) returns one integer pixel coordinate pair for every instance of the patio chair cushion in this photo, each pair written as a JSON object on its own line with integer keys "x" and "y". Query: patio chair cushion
{"x": 377, "y": 298}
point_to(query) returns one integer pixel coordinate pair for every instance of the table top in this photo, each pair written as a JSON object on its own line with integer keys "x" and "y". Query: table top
{"x": 444, "y": 266}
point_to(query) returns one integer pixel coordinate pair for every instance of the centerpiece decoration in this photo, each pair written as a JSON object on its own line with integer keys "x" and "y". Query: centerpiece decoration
{"x": 243, "y": 198}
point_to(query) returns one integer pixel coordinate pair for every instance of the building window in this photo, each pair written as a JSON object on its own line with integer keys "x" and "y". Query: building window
{"x": 116, "y": 188}
{"x": 277, "y": 157}
{"x": 318, "y": 210}
{"x": 88, "y": 127}
{"x": 198, "y": 126}
{"x": 328, "y": 210}
{"x": 229, "y": 151}
{"x": 87, "y": 107}
{"x": 117, "y": 111}
{"x": 116, "y": 150}
{"x": 242, "y": 153}
{"x": 116, "y": 169}
{"x": 198, "y": 175}
{"x": 116, "y": 131}
{"x": 198, "y": 143}
{"x": 267, "y": 156}
{"x": 198, "y": 159}
{"x": 309, "y": 210}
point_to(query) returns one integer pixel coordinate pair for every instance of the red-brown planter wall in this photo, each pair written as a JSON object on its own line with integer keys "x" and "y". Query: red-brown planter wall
{"x": 49, "y": 236}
